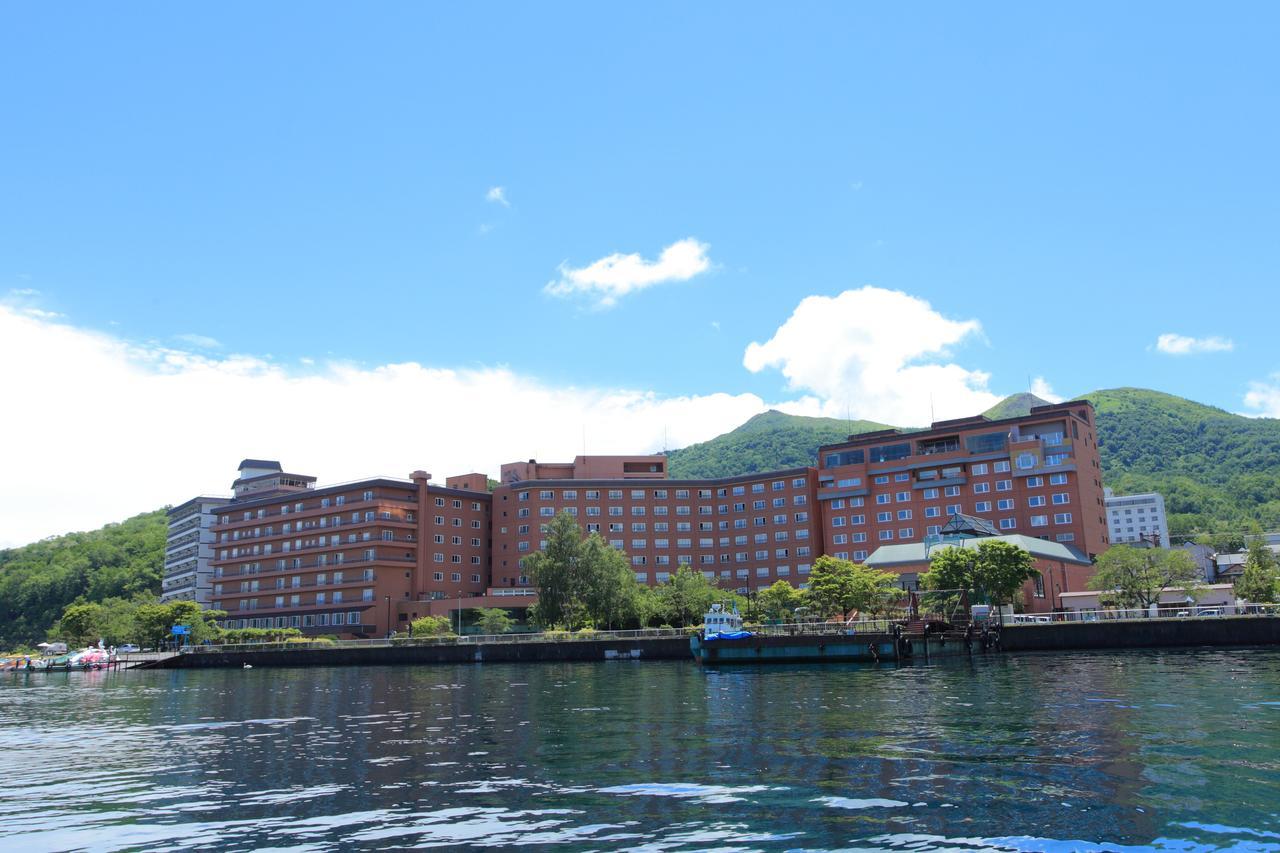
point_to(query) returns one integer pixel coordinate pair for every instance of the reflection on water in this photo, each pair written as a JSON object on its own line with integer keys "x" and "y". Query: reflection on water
{"x": 1172, "y": 750}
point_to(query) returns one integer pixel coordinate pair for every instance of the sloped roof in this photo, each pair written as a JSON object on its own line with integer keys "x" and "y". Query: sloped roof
{"x": 269, "y": 464}
{"x": 971, "y": 524}
{"x": 921, "y": 552}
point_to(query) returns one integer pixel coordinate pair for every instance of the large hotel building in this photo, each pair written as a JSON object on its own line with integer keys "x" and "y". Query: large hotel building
{"x": 364, "y": 558}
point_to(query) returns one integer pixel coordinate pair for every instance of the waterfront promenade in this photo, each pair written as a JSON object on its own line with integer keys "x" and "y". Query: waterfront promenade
{"x": 673, "y": 644}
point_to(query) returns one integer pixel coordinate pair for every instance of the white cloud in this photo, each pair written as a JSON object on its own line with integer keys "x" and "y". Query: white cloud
{"x": 201, "y": 341}
{"x": 1173, "y": 344}
{"x": 1264, "y": 397}
{"x": 98, "y": 428}
{"x": 613, "y": 277}
{"x": 1042, "y": 389}
{"x": 874, "y": 353}
{"x": 497, "y": 195}
{"x": 24, "y": 291}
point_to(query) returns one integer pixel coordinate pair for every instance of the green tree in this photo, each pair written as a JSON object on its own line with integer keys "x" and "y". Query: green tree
{"x": 608, "y": 584}
{"x": 1260, "y": 582}
{"x": 993, "y": 572}
{"x": 82, "y": 624}
{"x": 431, "y": 626}
{"x": 1134, "y": 577}
{"x": 493, "y": 620}
{"x": 686, "y": 597}
{"x": 555, "y": 575}
{"x": 841, "y": 587}
{"x": 779, "y": 602}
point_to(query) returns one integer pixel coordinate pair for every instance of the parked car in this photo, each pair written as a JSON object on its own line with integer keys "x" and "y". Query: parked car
{"x": 1182, "y": 613}
{"x": 1209, "y": 611}
{"x": 128, "y": 647}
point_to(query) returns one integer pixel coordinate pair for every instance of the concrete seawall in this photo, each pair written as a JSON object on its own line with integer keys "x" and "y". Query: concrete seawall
{"x": 643, "y": 648}
{"x": 1143, "y": 634}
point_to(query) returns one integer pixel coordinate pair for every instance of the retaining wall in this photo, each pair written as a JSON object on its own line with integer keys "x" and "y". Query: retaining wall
{"x": 1143, "y": 634}
{"x": 660, "y": 648}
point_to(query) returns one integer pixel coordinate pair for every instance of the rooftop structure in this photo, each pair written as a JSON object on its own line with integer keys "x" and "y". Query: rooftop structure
{"x": 1137, "y": 519}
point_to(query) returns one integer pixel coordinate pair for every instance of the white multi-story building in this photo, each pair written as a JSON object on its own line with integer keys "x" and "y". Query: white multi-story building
{"x": 1137, "y": 519}
{"x": 188, "y": 549}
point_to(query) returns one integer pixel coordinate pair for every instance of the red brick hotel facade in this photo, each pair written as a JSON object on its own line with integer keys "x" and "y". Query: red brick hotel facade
{"x": 363, "y": 558}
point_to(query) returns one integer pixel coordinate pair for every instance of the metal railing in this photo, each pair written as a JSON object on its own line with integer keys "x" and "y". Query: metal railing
{"x": 1120, "y": 614}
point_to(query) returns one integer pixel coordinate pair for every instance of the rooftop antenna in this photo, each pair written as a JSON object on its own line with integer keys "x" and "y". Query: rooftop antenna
{"x": 931, "y": 417}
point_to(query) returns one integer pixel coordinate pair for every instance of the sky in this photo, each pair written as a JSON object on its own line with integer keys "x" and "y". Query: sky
{"x": 368, "y": 238}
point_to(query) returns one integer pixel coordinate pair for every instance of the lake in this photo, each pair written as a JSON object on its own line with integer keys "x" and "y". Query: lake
{"x": 1164, "y": 749}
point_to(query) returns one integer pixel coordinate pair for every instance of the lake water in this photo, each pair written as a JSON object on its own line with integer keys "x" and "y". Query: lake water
{"x": 1171, "y": 750}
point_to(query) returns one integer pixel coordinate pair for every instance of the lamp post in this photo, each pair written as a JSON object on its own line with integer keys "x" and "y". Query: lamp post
{"x": 388, "y": 598}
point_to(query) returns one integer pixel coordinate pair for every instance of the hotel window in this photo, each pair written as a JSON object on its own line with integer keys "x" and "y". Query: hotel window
{"x": 1057, "y": 479}
{"x": 932, "y": 512}
{"x": 593, "y": 494}
{"x": 981, "y": 488}
{"x": 978, "y": 470}
{"x": 931, "y": 494}
{"x": 368, "y": 496}
{"x": 615, "y": 494}
{"x": 906, "y": 533}
{"x": 1039, "y": 521}
{"x": 857, "y": 519}
{"x": 340, "y": 500}
{"x": 951, "y": 492}
{"x": 1061, "y": 498}
{"x": 1001, "y": 468}
{"x": 883, "y": 517}
{"x": 837, "y": 521}
{"x": 439, "y": 501}
{"x": 904, "y": 515}
{"x": 1035, "y": 500}
{"x": 902, "y": 497}
{"x": 886, "y": 535}
{"x": 881, "y": 479}
{"x": 1026, "y": 460}
{"x": 1004, "y": 504}
{"x": 932, "y": 530}
{"x": 1008, "y": 523}
{"x": 953, "y": 509}
{"x": 522, "y": 496}
{"x": 840, "y": 539}
{"x": 1062, "y": 518}
{"x": 859, "y": 537}
{"x": 781, "y": 502}
{"x": 1065, "y": 537}
{"x": 615, "y": 511}
{"x": 883, "y": 499}
{"x": 1055, "y": 458}
{"x": 1039, "y": 585}
{"x": 1004, "y": 485}
{"x": 856, "y": 502}
{"x": 982, "y": 506}
{"x": 682, "y": 494}
{"x": 593, "y": 512}
{"x": 642, "y": 577}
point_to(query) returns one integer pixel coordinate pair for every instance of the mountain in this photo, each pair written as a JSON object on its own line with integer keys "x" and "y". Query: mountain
{"x": 1216, "y": 470}
{"x": 768, "y": 441}
{"x": 119, "y": 561}
{"x": 1014, "y": 406}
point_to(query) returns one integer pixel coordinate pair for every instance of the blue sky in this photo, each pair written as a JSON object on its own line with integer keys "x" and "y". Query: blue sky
{"x": 299, "y": 186}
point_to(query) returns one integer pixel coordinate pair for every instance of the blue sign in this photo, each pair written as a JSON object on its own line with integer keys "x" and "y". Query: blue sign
{"x": 179, "y": 630}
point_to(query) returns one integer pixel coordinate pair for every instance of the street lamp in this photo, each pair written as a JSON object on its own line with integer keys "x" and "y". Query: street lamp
{"x": 388, "y": 598}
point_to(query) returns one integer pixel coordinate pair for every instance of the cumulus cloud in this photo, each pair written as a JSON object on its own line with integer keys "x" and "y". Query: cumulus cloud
{"x": 1264, "y": 397}
{"x": 497, "y": 195}
{"x": 1174, "y": 344}
{"x": 877, "y": 354}
{"x": 612, "y": 277}
{"x": 97, "y": 428}
{"x": 1042, "y": 389}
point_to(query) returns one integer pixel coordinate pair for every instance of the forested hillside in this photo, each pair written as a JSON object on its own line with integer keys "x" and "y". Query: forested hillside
{"x": 768, "y": 441}
{"x": 1217, "y": 471}
{"x": 120, "y": 561}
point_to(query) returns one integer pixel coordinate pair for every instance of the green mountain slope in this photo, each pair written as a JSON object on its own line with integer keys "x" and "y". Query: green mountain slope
{"x": 766, "y": 442}
{"x": 1216, "y": 470}
{"x": 1014, "y": 406}
{"x": 37, "y": 581}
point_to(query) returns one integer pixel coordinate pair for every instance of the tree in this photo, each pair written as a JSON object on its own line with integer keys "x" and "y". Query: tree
{"x": 841, "y": 586}
{"x": 556, "y": 576}
{"x": 1260, "y": 582}
{"x": 608, "y": 584}
{"x": 686, "y": 597}
{"x": 779, "y": 602}
{"x": 993, "y": 572}
{"x": 1134, "y": 577}
{"x": 82, "y": 624}
{"x": 493, "y": 620}
{"x": 431, "y": 626}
